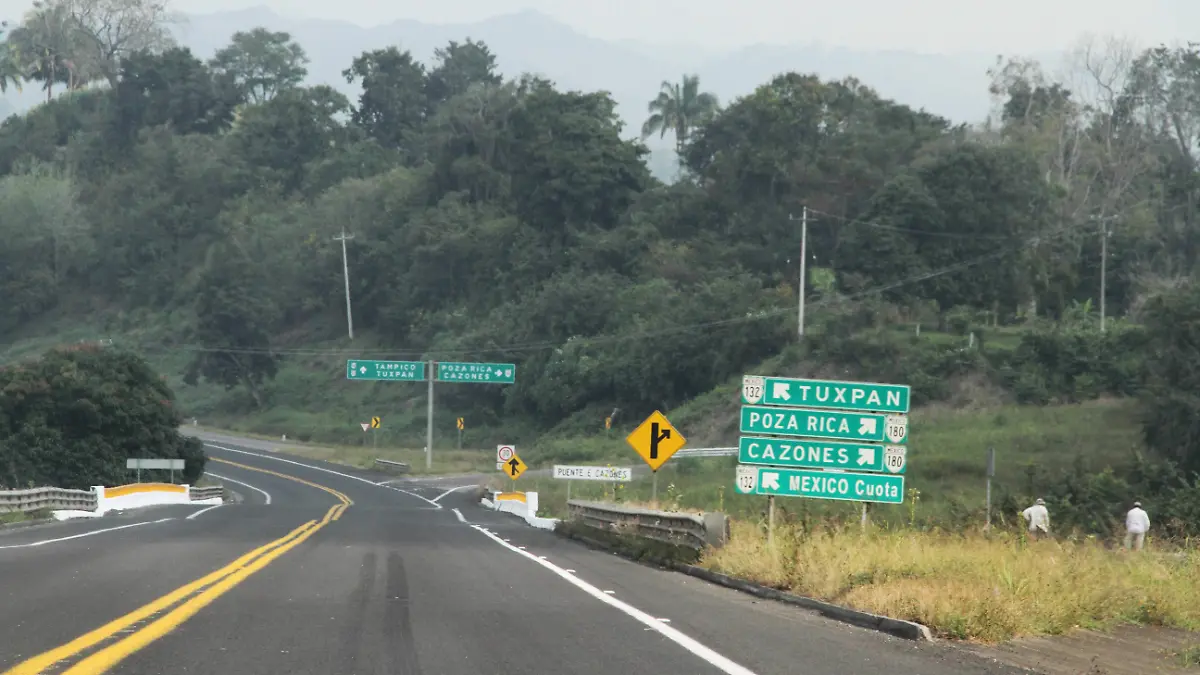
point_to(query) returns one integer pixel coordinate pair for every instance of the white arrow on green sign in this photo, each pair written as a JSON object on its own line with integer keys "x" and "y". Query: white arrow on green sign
{"x": 804, "y": 423}
{"x": 480, "y": 373}
{"x": 408, "y": 371}
{"x": 880, "y": 488}
{"x": 809, "y": 453}
{"x": 825, "y": 394}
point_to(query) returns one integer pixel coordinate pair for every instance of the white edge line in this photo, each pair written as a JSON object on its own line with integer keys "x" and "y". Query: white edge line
{"x": 708, "y": 655}
{"x": 204, "y": 510}
{"x": 460, "y": 487}
{"x": 460, "y": 516}
{"x": 319, "y": 468}
{"x": 266, "y": 496}
{"x": 85, "y": 534}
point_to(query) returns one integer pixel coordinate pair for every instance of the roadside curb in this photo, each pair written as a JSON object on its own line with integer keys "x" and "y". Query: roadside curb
{"x": 908, "y": 630}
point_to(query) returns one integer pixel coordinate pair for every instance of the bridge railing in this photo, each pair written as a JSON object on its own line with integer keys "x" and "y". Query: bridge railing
{"x": 696, "y": 531}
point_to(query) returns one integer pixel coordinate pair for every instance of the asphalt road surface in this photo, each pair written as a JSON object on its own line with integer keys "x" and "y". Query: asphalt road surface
{"x": 322, "y": 571}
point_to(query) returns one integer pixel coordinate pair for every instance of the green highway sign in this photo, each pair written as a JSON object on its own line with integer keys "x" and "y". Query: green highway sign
{"x": 808, "y": 453}
{"x": 407, "y": 371}
{"x": 804, "y": 423}
{"x": 482, "y": 373}
{"x": 880, "y": 488}
{"x": 825, "y": 394}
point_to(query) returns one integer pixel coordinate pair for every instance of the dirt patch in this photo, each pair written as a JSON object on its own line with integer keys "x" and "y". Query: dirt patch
{"x": 1126, "y": 650}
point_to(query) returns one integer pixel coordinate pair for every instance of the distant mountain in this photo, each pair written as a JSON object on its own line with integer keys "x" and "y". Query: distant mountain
{"x": 954, "y": 86}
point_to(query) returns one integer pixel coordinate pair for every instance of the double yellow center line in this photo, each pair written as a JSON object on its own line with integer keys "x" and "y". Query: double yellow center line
{"x": 186, "y": 600}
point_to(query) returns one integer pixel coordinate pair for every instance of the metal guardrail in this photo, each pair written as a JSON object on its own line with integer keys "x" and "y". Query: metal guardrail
{"x": 705, "y": 452}
{"x": 390, "y": 466}
{"x": 692, "y": 530}
{"x": 47, "y": 498}
{"x": 208, "y": 492}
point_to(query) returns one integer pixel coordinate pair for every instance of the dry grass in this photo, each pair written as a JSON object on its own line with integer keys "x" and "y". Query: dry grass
{"x": 968, "y": 586}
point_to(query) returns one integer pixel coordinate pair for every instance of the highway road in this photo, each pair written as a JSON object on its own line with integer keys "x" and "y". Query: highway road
{"x": 322, "y": 571}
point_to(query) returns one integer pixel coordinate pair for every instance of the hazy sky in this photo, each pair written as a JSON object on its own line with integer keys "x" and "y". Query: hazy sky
{"x": 916, "y": 25}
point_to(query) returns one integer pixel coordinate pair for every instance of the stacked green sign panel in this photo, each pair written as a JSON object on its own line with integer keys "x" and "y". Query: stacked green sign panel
{"x": 482, "y": 373}
{"x": 823, "y": 439}
{"x": 409, "y": 371}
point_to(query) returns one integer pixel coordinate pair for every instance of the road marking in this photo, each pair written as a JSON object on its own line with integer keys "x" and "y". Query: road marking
{"x": 204, "y": 510}
{"x": 711, "y": 657}
{"x": 110, "y": 656}
{"x": 460, "y": 487}
{"x": 85, "y": 534}
{"x": 266, "y": 497}
{"x": 186, "y": 600}
{"x": 460, "y": 516}
{"x": 319, "y": 468}
{"x": 37, "y": 664}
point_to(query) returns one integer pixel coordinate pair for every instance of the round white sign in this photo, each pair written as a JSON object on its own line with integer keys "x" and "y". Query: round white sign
{"x": 894, "y": 457}
{"x": 753, "y": 387}
{"x": 504, "y": 452}
{"x": 896, "y": 427}
{"x": 747, "y": 479}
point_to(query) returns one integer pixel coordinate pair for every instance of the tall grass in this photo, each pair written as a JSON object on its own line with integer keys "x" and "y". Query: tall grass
{"x": 969, "y": 586}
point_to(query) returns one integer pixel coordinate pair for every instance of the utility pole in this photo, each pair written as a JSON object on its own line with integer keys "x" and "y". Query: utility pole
{"x": 803, "y": 266}
{"x": 346, "y": 276}
{"x": 1104, "y": 234}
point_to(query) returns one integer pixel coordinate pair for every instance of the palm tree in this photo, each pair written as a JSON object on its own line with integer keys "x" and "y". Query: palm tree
{"x": 10, "y": 63}
{"x": 679, "y": 108}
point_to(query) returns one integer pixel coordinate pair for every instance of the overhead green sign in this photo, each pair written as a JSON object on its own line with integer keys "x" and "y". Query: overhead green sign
{"x": 880, "y": 488}
{"x": 408, "y": 371}
{"x": 808, "y": 453}
{"x": 804, "y": 423}
{"x": 825, "y": 394}
{"x": 482, "y": 373}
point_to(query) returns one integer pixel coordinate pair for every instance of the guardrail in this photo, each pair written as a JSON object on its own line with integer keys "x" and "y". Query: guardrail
{"x": 390, "y": 466}
{"x": 208, "y": 492}
{"x": 691, "y": 530}
{"x": 47, "y": 498}
{"x": 705, "y": 452}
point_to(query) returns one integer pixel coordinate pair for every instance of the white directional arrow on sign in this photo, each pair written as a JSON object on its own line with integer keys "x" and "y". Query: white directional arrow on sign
{"x": 770, "y": 480}
{"x": 866, "y": 456}
{"x": 362, "y": 369}
{"x": 866, "y": 426}
{"x": 782, "y": 390}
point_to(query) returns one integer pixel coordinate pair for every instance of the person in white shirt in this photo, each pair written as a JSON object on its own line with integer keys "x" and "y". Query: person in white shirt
{"x": 1137, "y": 523}
{"x": 1038, "y": 518}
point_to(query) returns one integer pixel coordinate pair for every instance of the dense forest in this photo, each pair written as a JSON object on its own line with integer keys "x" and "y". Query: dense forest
{"x": 509, "y": 220}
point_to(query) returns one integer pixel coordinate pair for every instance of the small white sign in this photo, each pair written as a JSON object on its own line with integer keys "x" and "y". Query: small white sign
{"x": 171, "y": 464}
{"x": 747, "y": 479}
{"x": 504, "y": 453}
{"x": 894, "y": 458}
{"x": 753, "y": 388}
{"x": 619, "y": 474}
{"x": 366, "y": 425}
{"x": 896, "y": 427}
{"x": 499, "y": 466}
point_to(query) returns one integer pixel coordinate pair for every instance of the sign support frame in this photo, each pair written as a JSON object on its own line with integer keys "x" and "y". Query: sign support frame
{"x": 429, "y": 419}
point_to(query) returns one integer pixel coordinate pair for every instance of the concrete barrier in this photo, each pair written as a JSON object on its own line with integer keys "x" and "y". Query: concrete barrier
{"x": 524, "y": 505}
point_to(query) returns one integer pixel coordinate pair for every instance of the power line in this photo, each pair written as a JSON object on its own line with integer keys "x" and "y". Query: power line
{"x": 531, "y": 347}
{"x": 907, "y": 230}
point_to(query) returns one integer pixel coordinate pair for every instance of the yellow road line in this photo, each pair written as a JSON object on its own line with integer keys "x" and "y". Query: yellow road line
{"x": 331, "y": 491}
{"x": 110, "y": 656}
{"x": 219, "y": 582}
{"x": 42, "y": 661}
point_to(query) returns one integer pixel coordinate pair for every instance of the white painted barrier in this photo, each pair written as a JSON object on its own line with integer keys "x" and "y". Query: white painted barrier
{"x": 136, "y": 495}
{"x": 524, "y": 505}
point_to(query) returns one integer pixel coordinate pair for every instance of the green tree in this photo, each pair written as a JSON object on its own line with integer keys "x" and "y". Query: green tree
{"x": 1172, "y": 425}
{"x": 393, "y": 100}
{"x": 282, "y": 136}
{"x": 10, "y": 62}
{"x": 261, "y": 63}
{"x": 458, "y": 67}
{"x": 679, "y": 108}
{"x": 235, "y": 317}
{"x": 72, "y": 418}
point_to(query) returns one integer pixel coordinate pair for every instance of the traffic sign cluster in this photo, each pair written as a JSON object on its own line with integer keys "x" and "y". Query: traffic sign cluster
{"x": 846, "y": 443}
